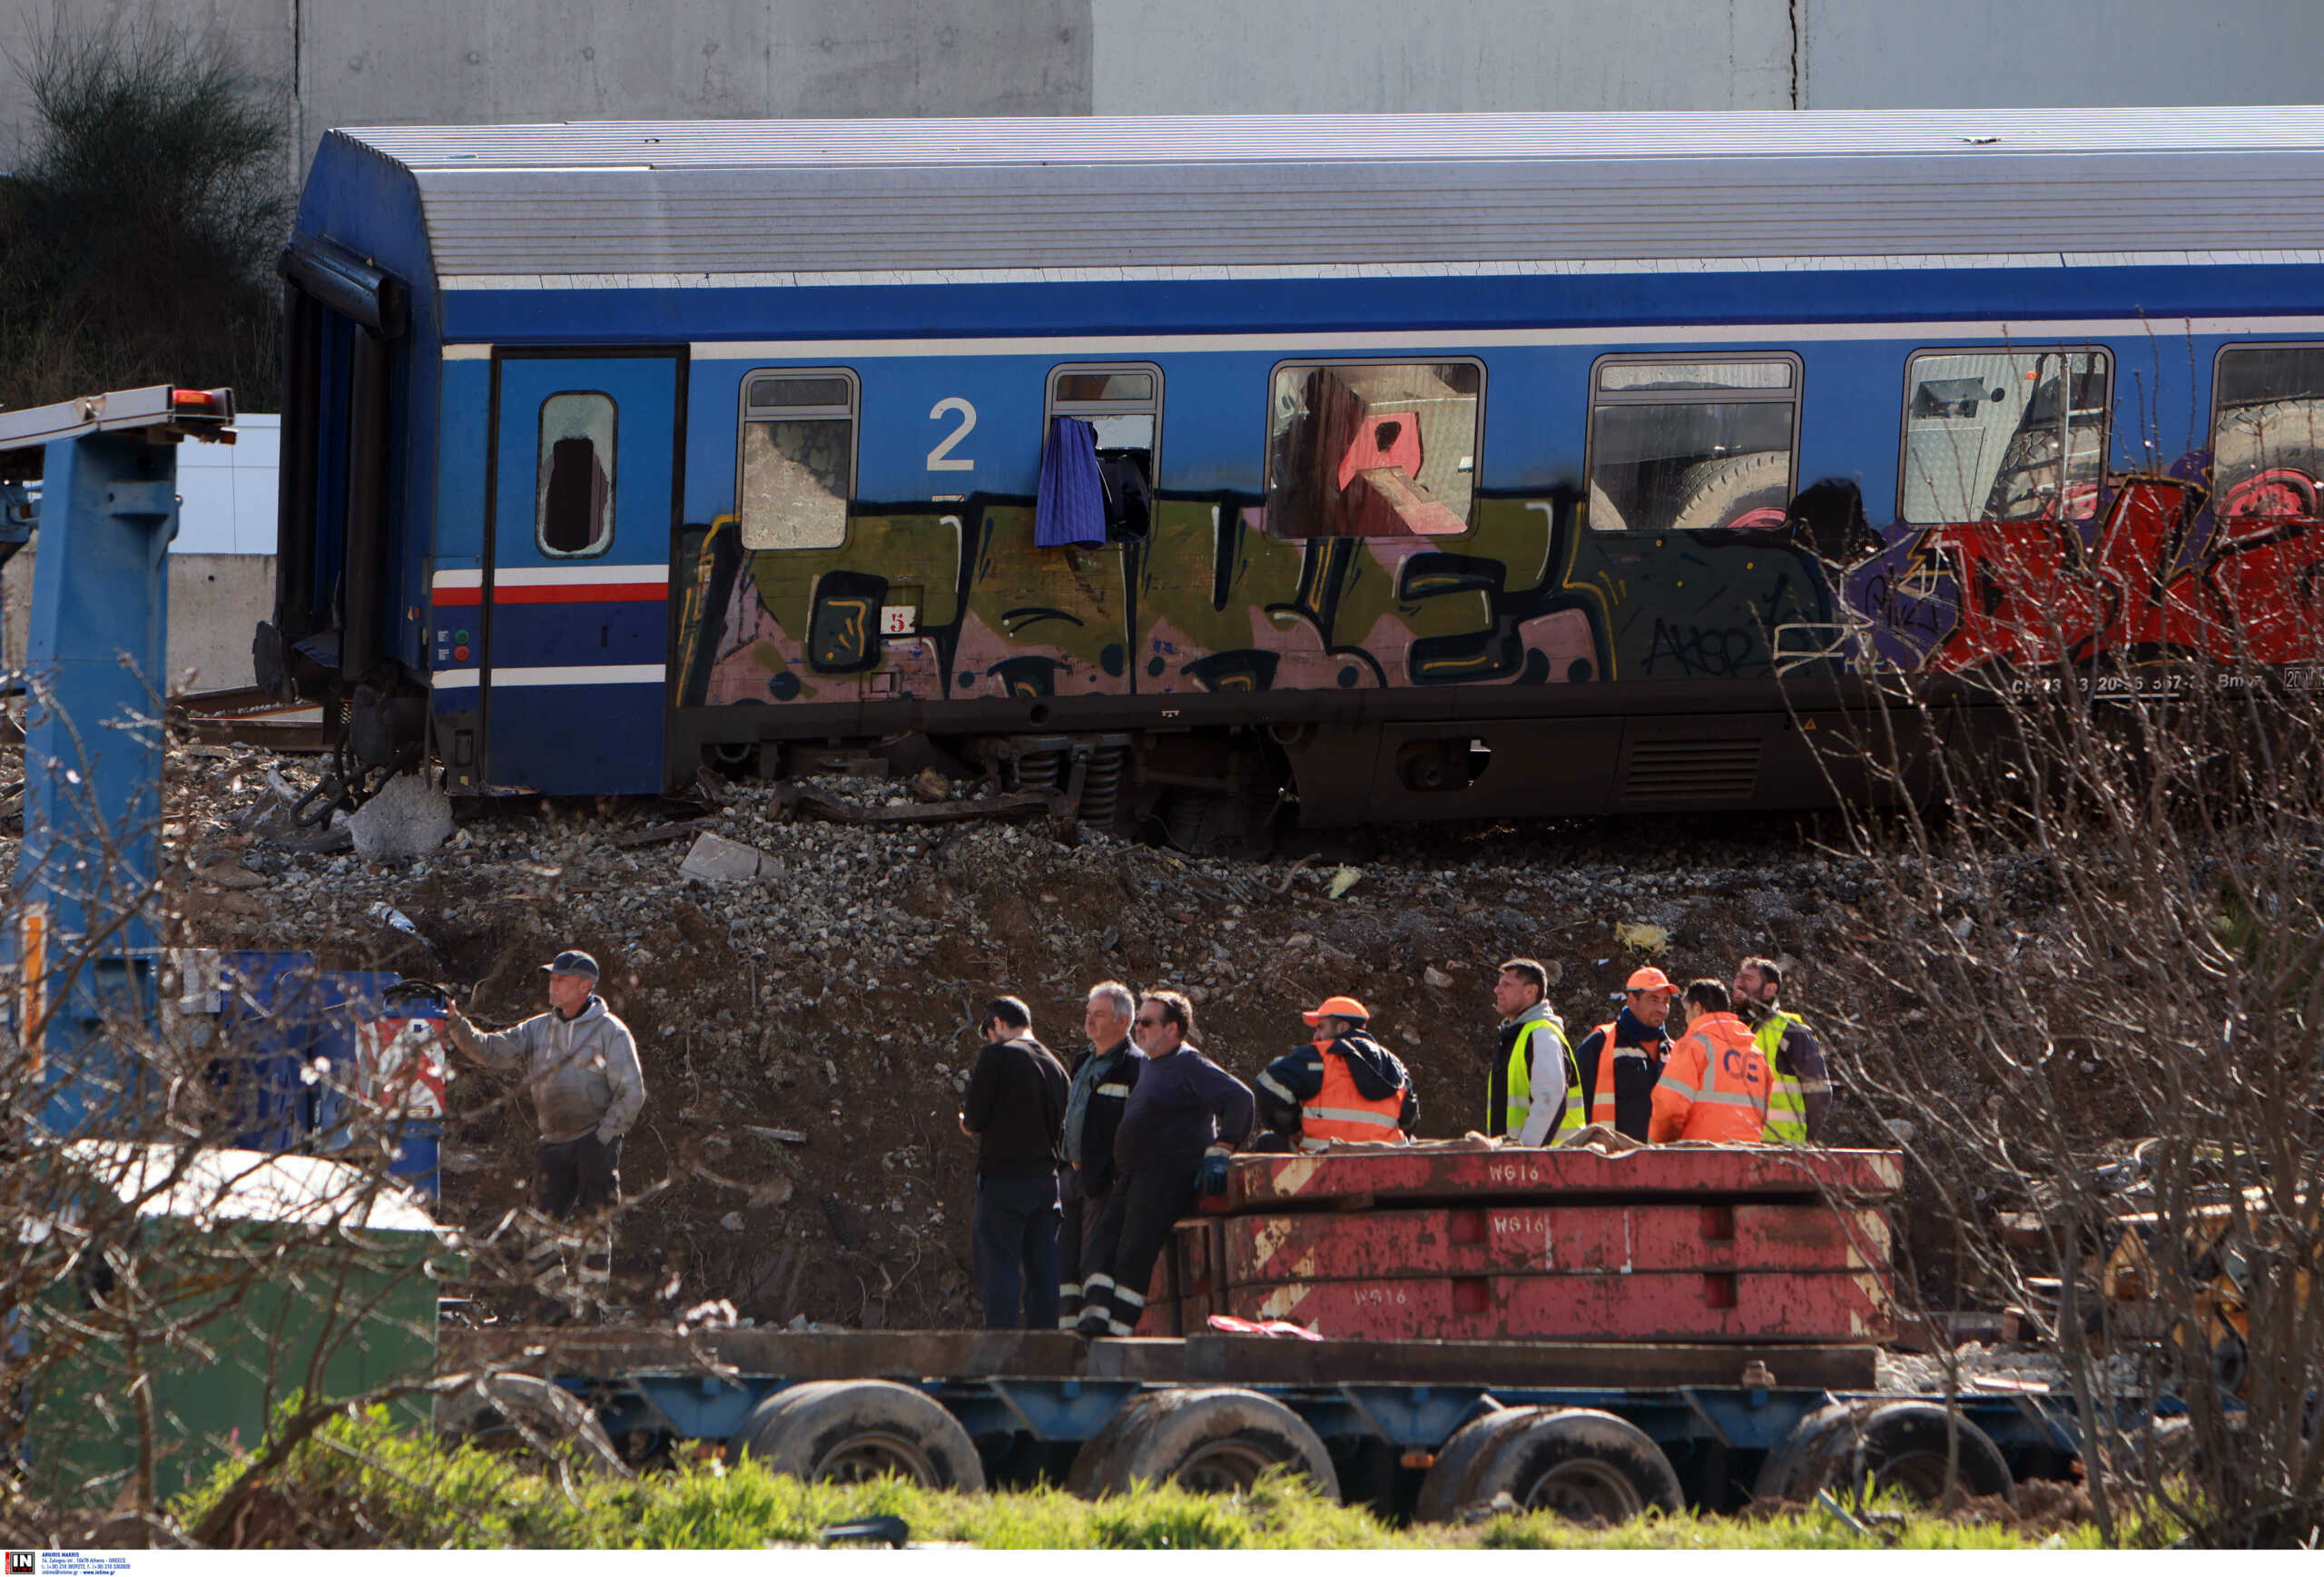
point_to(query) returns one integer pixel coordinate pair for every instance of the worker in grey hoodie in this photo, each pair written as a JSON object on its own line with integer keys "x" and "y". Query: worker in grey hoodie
{"x": 580, "y": 1064}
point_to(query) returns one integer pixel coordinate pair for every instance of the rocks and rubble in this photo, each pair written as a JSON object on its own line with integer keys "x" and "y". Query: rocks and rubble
{"x": 805, "y": 1029}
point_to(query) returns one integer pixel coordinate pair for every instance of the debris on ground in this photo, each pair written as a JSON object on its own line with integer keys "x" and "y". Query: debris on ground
{"x": 806, "y": 1027}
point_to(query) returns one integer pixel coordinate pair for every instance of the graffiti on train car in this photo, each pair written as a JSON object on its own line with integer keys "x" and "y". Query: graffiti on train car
{"x": 2158, "y": 571}
{"x": 962, "y": 605}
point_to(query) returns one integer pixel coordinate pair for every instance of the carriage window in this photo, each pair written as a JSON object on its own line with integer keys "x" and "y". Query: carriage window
{"x": 1984, "y": 431}
{"x": 1697, "y": 445}
{"x": 2267, "y": 433}
{"x": 1123, "y": 406}
{"x": 573, "y": 500}
{"x": 798, "y": 458}
{"x": 1373, "y": 450}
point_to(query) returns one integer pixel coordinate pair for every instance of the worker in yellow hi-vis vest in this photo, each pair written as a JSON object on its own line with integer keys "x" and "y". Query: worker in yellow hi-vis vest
{"x": 1801, "y": 1096}
{"x": 1532, "y": 1091}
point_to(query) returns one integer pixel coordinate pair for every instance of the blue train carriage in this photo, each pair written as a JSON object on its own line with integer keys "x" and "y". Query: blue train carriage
{"x": 1425, "y": 465}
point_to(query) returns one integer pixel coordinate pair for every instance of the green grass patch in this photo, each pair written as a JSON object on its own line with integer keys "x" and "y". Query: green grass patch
{"x": 372, "y": 1483}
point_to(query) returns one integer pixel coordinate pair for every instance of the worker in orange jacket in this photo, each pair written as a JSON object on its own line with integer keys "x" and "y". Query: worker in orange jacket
{"x": 1346, "y": 1086}
{"x": 1716, "y": 1084}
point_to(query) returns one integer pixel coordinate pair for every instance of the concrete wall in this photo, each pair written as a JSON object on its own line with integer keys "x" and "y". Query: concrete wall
{"x": 216, "y": 600}
{"x": 341, "y": 62}
{"x": 1307, "y": 57}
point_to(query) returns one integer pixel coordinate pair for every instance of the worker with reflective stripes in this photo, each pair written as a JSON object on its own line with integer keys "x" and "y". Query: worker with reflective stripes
{"x": 1715, "y": 1086}
{"x": 1346, "y": 1086}
{"x": 1186, "y": 1115}
{"x": 1103, "y": 1075}
{"x": 1801, "y": 1096}
{"x": 1619, "y": 1062}
{"x": 1533, "y": 1090}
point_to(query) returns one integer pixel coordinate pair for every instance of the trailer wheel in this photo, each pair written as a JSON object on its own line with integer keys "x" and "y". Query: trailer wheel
{"x": 1213, "y": 1439}
{"x": 1585, "y": 1466}
{"x": 852, "y": 1431}
{"x": 1440, "y": 1493}
{"x": 1897, "y": 1445}
{"x": 524, "y": 1413}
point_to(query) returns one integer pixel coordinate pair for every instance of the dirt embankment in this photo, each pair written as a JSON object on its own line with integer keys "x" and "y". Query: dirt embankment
{"x": 804, "y": 1035}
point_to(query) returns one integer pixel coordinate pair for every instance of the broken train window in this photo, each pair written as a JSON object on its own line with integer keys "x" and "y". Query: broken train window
{"x": 1122, "y": 403}
{"x": 797, "y": 458}
{"x": 573, "y": 495}
{"x": 1372, "y": 449}
{"x": 1697, "y": 443}
{"x": 1983, "y": 431}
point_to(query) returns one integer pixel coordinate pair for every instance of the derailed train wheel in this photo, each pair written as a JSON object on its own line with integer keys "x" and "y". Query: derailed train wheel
{"x": 1213, "y": 1439}
{"x": 856, "y": 1430}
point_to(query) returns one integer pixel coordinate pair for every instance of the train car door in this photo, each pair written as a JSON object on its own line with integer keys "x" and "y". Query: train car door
{"x": 576, "y": 580}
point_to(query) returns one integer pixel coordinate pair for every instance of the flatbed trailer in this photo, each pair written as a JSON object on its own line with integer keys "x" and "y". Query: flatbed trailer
{"x": 1411, "y": 1428}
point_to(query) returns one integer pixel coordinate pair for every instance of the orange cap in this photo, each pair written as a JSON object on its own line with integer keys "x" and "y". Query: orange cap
{"x": 1650, "y": 979}
{"x": 1339, "y": 1008}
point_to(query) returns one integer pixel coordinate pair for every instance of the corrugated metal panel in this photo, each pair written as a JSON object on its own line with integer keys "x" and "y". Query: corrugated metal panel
{"x": 1205, "y": 193}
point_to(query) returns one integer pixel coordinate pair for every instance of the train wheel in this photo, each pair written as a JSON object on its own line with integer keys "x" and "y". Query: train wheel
{"x": 1585, "y": 1466}
{"x": 528, "y": 1415}
{"x": 1213, "y": 1440}
{"x": 853, "y": 1431}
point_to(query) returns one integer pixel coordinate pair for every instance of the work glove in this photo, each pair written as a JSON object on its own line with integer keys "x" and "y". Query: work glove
{"x": 1213, "y": 1175}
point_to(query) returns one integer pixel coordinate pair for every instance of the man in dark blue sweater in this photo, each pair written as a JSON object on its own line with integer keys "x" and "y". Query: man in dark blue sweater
{"x": 1185, "y": 1107}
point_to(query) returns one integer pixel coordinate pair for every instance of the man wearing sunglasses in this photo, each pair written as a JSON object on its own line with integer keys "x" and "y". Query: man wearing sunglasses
{"x": 1185, "y": 1110}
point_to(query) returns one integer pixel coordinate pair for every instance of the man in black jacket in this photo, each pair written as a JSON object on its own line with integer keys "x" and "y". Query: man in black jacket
{"x": 1621, "y": 1062}
{"x": 1104, "y": 1074}
{"x": 1186, "y": 1108}
{"x": 1015, "y": 1105}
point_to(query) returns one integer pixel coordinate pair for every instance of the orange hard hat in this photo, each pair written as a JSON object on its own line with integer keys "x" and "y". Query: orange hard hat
{"x": 1339, "y": 1008}
{"x": 1650, "y": 979}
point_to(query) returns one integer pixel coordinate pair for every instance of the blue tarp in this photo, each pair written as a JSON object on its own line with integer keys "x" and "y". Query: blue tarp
{"x": 1072, "y": 504}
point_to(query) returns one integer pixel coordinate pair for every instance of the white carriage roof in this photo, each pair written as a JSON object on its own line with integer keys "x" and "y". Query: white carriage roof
{"x": 797, "y": 200}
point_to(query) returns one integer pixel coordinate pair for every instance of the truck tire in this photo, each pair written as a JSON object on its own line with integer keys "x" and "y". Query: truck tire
{"x": 1212, "y": 1439}
{"x": 851, "y": 1431}
{"x": 1587, "y": 1466}
{"x": 1442, "y": 1493}
{"x": 526, "y": 1413}
{"x": 1859, "y": 1446}
{"x": 1735, "y": 492}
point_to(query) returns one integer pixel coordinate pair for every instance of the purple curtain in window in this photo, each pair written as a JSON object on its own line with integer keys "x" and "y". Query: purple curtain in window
{"x": 1072, "y": 503}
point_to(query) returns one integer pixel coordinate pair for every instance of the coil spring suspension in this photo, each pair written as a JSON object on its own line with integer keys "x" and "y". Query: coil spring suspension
{"x": 1038, "y": 772}
{"x": 1101, "y": 789}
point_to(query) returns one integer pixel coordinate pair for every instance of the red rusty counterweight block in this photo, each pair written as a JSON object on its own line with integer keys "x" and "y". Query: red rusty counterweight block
{"x": 1610, "y": 1239}
{"x": 1646, "y": 1307}
{"x": 1472, "y": 1171}
{"x": 1470, "y": 1242}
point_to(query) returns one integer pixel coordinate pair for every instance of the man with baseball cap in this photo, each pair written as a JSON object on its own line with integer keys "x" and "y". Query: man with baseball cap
{"x": 1620, "y": 1062}
{"x": 1346, "y": 1086}
{"x": 580, "y": 1065}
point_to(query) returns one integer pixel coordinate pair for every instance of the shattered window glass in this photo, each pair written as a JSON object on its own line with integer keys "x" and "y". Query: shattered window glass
{"x": 1373, "y": 450}
{"x": 573, "y": 496}
{"x": 1702, "y": 445}
{"x": 1983, "y": 431}
{"x": 798, "y": 460}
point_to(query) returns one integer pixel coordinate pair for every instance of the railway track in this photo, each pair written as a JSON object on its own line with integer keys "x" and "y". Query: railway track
{"x": 248, "y": 717}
